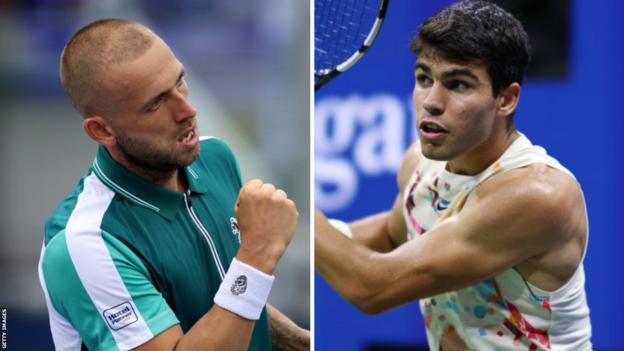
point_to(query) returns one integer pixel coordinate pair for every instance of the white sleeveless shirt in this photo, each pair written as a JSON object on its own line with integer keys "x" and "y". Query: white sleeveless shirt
{"x": 505, "y": 312}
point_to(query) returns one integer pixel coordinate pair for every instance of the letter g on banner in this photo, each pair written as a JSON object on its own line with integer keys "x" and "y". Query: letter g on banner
{"x": 355, "y": 137}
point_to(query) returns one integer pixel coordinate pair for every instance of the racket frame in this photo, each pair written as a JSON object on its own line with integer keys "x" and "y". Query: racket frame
{"x": 323, "y": 76}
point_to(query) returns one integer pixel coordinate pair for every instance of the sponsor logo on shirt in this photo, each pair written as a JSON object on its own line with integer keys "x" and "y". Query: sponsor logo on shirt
{"x": 120, "y": 316}
{"x": 235, "y": 228}
{"x": 439, "y": 204}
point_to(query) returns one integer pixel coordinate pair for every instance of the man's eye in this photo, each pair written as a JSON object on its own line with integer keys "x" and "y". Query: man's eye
{"x": 423, "y": 79}
{"x": 155, "y": 105}
{"x": 458, "y": 85}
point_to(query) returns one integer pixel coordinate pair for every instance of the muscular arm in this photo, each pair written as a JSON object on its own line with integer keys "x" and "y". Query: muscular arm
{"x": 510, "y": 218}
{"x": 285, "y": 334}
{"x": 381, "y": 232}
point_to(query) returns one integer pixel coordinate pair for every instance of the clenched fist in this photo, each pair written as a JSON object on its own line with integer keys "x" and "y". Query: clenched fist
{"x": 267, "y": 221}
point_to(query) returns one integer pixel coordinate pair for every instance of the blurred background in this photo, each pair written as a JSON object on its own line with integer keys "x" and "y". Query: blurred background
{"x": 247, "y": 65}
{"x": 570, "y": 105}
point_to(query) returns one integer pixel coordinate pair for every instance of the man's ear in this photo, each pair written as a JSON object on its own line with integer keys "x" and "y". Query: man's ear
{"x": 509, "y": 98}
{"x": 98, "y": 129}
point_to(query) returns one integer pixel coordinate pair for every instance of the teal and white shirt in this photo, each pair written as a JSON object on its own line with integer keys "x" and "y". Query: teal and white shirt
{"x": 125, "y": 259}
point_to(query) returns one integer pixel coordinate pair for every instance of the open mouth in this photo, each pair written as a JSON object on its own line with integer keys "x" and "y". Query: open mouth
{"x": 432, "y": 128}
{"x": 188, "y": 137}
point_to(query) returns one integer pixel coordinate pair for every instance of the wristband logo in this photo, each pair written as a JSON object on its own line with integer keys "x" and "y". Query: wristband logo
{"x": 240, "y": 285}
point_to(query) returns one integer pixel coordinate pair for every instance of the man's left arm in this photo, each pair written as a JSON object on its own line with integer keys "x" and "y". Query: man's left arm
{"x": 285, "y": 334}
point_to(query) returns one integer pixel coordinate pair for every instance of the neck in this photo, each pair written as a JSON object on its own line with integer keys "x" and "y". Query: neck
{"x": 483, "y": 155}
{"x": 173, "y": 179}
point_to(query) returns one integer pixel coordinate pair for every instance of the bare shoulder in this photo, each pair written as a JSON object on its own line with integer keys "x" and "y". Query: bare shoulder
{"x": 537, "y": 183}
{"x": 545, "y": 199}
{"x": 409, "y": 164}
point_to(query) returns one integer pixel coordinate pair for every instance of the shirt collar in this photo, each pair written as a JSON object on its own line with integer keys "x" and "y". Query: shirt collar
{"x": 140, "y": 190}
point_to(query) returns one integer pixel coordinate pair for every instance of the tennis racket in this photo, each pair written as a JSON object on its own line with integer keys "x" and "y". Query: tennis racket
{"x": 343, "y": 32}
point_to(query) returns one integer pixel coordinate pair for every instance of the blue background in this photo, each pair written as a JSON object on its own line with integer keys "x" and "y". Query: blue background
{"x": 577, "y": 119}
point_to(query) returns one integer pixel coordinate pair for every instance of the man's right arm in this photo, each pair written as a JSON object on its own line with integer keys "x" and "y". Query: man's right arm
{"x": 267, "y": 220}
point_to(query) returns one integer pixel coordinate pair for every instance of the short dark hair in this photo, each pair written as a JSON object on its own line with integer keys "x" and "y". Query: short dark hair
{"x": 478, "y": 32}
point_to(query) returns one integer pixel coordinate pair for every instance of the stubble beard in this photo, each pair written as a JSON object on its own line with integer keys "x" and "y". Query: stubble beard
{"x": 153, "y": 162}
{"x": 437, "y": 152}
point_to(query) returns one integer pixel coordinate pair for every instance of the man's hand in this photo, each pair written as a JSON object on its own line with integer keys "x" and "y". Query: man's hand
{"x": 267, "y": 221}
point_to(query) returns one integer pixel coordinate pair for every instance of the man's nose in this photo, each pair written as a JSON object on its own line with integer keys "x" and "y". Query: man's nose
{"x": 182, "y": 108}
{"x": 434, "y": 101}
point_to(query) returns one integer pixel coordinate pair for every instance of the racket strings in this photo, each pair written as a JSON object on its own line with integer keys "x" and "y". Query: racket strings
{"x": 340, "y": 29}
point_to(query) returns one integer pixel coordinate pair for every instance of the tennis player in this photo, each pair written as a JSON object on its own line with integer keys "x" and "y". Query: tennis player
{"x": 159, "y": 246}
{"x": 488, "y": 231}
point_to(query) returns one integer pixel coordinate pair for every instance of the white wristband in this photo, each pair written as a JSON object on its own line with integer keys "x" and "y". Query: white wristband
{"x": 342, "y": 227}
{"x": 244, "y": 290}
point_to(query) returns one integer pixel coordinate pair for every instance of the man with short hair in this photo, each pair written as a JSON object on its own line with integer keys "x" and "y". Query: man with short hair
{"x": 160, "y": 246}
{"x": 487, "y": 231}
